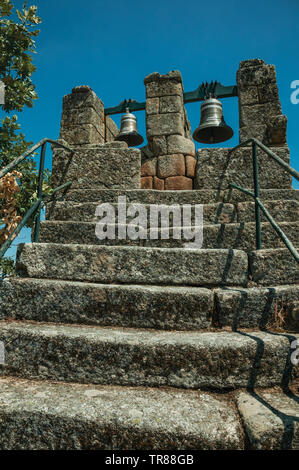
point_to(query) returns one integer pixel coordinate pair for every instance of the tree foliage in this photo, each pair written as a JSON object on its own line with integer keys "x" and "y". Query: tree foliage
{"x": 17, "y": 44}
{"x": 18, "y": 32}
{"x": 8, "y": 189}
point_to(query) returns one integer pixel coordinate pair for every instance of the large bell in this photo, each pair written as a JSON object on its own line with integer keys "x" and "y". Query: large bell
{"x": 128, "y": 130}
{"x": 212, "y": 128}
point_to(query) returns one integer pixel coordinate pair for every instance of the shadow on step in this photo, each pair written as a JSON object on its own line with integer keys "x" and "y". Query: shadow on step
{"x": 263, "y": 307}
{"x": 287, "y": 420}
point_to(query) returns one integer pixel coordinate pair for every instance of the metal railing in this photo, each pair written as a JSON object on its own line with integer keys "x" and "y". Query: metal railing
{"x": 35, "y": 209}
{"x": 256, "y": 194}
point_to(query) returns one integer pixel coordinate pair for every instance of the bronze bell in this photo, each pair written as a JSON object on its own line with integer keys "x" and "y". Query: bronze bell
{"x": 128, "y": 130}
{"x": 212, "y": 128}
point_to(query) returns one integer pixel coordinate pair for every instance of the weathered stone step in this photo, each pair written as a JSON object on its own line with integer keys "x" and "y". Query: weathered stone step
{"x": 55, "y": 416}
{"x": 270, "y": 419}
{"x": 120, "y": 356}
{"x": 264, "y": 307}
{"x": 141, "y": 306}
{"x": 237, "y": 235}
{"x": 268, "y": 267}
{"x": 217, "y": 213}
{"x": 133, "y": 265}
{"x": 212, "y": 213}
{"x": 152, "y": 196}
{"x": 281, "y": 211}
{"x": 166, "y": 307}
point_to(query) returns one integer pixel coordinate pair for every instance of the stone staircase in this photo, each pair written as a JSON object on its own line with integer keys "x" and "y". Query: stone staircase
{"x": 144, "y": 344}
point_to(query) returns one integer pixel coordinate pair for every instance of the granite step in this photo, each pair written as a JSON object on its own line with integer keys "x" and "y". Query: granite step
{"x": 143, "y": 306}
{"x": 152, "y": 196}
{"x": 239, "y": 236}
{"x": 268, "y": 267}
{"x": 160, "y": 307}
{"x": 58, "y": 416}
{"x": 134, "y": 357}
{"x": 274, "y": 307}
{"x": 212, "y": 213}
{"x": 270, "y": 419}
{"x": 133, "y": 265}
{"x": 281, "y": 211}
{"x": 217, "y": 213}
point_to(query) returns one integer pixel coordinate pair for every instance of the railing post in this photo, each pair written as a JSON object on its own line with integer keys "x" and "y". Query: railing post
{"x": 39, "y": 191}
{"x": 256, "y": 195}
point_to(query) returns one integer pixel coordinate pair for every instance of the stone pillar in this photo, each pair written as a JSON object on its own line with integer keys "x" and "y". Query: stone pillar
{"x": 97, "y": 161}
{"x": 111, "y": 129}
{"x": 83, "y": 121}
{"x": 98, "y": 166}
{"x": 260, "y": 112}
{"x": 168, "y": 161}
{"x": 260, "y": 117}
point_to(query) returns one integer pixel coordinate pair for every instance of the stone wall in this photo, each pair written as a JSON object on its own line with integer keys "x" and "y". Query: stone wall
{"x": 216, "y": 168}
{"x": 168, "y": 160}
{"x": 111, "y": 129}
{"x": 260, "y": 116}
{"x": 83, "y": 121}
{"x": 98, "y": 166}
{"x": 98, "y": 162}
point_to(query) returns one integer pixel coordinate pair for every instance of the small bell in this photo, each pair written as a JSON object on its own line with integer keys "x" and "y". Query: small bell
{"x": 128, "y": 130}
{"x": 212, "y": 128}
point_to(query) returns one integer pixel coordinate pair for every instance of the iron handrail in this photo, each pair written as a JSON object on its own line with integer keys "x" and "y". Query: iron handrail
{"x": 255, "y": 195}
{"x": 11, "y": 166}
{"x": 36, "y": 206}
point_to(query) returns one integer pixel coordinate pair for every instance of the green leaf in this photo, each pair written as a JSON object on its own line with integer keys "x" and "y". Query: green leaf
{"x": 6, "y": 7}
{"x": 17, "y": 44}
{"x": 20, "y": 16}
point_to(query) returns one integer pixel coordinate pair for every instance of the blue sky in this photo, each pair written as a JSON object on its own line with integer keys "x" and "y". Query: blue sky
{"x": 112, "y": 46}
